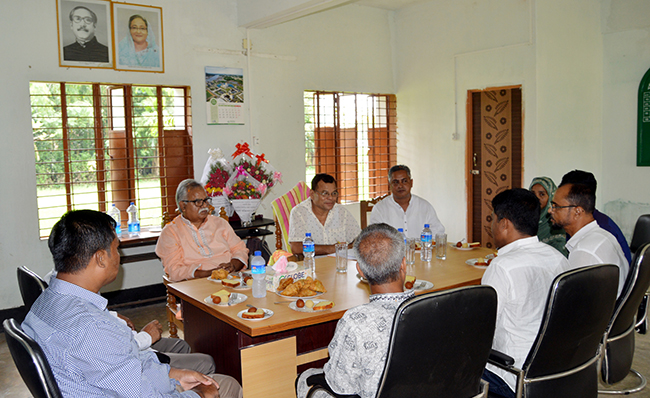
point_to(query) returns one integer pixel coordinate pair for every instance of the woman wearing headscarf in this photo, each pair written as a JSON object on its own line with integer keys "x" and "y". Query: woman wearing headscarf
{"x": 139, "y": 47}
{"x": 544, "y": 188}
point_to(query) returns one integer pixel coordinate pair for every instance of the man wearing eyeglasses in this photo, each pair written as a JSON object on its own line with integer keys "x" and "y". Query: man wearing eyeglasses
{"x": 572, "y": 208}
{"x": 321, "y": 215}
{"x": 196, "y": 242}
{"x": 404, "y": 210}
{"x": 86, "y": 48}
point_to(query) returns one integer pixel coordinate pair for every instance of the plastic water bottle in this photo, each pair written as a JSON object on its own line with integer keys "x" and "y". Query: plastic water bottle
{"x": 258, "y": 268}
{"x": 308, "y": 251}
{"x": 115, "y": 213}
{"x": 426, "y": 237}
{"x": 134, "y": 222}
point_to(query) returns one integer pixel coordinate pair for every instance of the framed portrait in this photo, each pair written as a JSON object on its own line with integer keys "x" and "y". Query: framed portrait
{"x": 85, "y": 38}
{"x": 138, "y": 37}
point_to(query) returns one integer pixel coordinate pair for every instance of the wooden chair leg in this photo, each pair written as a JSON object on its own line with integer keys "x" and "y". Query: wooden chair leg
{"x": 172, "y": 307}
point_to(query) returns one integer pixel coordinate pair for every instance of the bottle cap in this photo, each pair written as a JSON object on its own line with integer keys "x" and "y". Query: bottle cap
{"x": 400, "y": 229}
{"x": 308, "y": 235}
{"x": 426, "y": 225}
{"x": 258, "y": 253}
{"x": 132, "y": 203}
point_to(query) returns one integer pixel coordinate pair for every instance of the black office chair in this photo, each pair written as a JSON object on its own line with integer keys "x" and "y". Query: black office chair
{"x": 31, "y": 286}
{"x": 619, "y": 345}
{"x": 563, "y": 361}
{"x": 640, "y": 237}
{"x": 439, "y": 346}
{"x": 31, "y": 362}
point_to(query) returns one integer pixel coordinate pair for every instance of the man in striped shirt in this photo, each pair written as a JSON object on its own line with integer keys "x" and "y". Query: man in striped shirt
{"x": 91, "y": 352}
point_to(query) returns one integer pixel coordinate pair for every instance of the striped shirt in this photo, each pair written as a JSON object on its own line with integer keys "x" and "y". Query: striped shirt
{"x": 91, "y": 353}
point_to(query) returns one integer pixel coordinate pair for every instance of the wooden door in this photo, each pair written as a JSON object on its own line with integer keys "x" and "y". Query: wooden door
{"x": 494, "y": 154}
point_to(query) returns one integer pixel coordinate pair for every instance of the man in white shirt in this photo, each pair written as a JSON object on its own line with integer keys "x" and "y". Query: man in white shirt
{"x": 522, "y": 275}
{"x": 572, "y": 208}
{"x": 327, "y": 221}
{"x": 404, "y": 210}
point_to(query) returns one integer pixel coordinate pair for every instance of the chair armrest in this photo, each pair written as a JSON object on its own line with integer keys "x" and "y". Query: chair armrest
{"x": 500, "y": 359}
{"x": 318, "y": 382}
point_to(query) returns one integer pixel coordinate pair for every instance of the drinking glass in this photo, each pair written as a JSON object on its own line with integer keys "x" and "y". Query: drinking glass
{"x": 410, "y": 250}
{"x": 341, "y": 257}
{"x": 441, "y": 246}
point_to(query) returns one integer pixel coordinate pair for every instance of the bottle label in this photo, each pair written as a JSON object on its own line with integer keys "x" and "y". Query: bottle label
{"x": 307, "y": 247}
{"x": 134, "y": 227}
{"x": 426, "y": 237}
{"x": 257, "y": 269}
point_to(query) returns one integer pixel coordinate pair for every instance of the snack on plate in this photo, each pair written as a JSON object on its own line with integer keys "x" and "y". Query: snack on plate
{"x": 409, "y": 281}
{"x": 474, "y": 244}
{"x": 253, "y": 313}
{"x": 248, "y": 280}
{"x": 219, "y": 274}
{"x": 234, "y": 282}
{"x": 220, "y": 296}
{"x": 300, "y": 303}
{"x": 309, "y": 304}
{"x": 323, "y": 305}
{"x": 301, "y": 288}
{"x": 481, "y": 261}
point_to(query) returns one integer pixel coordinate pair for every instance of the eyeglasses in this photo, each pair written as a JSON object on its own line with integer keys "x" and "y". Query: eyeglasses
{"x": 199, "y": 202}
{"x": 555, "y": 206}
{"x": 138, "y": 29}
{"x": 403, "y": 181}
{"x": 78, "y": 19}
{"x": 326, "y": 194}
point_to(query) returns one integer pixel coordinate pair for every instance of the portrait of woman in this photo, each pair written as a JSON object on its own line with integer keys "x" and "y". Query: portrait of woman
{"x": 140, "y": 38}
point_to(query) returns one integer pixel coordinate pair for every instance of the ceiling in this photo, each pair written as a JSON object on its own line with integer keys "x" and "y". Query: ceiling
{"x": 391, "y": 5}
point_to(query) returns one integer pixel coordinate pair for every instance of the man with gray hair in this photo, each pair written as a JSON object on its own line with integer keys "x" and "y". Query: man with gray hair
{"x": 403, "y": 209}
{"x": 196, "y": 242}
{"x": 86, "y": 48}
{"x": 358, "y": 349}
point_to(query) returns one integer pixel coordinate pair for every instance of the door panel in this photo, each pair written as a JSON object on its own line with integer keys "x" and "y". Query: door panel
{"x": 495, "y": 159}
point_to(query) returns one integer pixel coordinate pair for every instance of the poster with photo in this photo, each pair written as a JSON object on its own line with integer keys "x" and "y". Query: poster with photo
{"x": 138, "y": 36}
{"x": 85, "y": 33}
{"x": 224, "y": 90}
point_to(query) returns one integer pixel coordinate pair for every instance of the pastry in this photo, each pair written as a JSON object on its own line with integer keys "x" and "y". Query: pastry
{"x": 258, "y": 313}
{"x": 220, "y": 296}
{"x": 219, "y": 274}
{"x": 234, "y": 282}
{"x": 284, "y": 283}
{"x": 323, "y": 305}
{"x": 309, "y": 304}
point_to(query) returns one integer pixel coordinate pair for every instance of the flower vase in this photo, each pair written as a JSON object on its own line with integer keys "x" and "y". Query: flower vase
{"x": 220, "y": 201}
{"x": 245, "y": 209}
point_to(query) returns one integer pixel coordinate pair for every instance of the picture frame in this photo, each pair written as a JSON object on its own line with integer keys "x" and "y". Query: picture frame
{"x": 84, "y": 32}
{"x": 138, "y": 38}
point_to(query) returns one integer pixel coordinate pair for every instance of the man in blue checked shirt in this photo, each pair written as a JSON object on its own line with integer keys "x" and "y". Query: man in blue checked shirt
{"x": 92, "y": 353}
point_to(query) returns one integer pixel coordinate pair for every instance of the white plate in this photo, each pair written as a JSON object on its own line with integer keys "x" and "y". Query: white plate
{"x": 421, "y": 284}
{"x": 472, "y": 262}
{"x": 362, "y": 279}
{"x": 242, "y": 286}
{"x": 461, "y": 248}
{"x": 294, "y": 307}
{"x": 297, "y": 297}
{"x": 236, "y": 299}
{"x": 267, "y": 315}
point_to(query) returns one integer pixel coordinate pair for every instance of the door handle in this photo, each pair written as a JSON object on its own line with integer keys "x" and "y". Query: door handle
{"x": 475, "y": 172}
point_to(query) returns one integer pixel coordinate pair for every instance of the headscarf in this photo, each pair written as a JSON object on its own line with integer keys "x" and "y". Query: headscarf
{"x": 546, "y": 232}
{"x": 150, "y": 57}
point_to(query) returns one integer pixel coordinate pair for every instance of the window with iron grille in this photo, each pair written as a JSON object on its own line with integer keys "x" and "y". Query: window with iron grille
{"x": 97, "y": 144}
{"x": 351, "y": 136}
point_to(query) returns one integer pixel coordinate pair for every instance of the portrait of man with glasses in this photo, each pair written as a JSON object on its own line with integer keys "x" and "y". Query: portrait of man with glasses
{"x": 320, "y": 214}
{"x": 84, "y": 23}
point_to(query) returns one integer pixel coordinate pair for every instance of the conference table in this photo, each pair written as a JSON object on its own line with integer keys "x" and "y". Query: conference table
{"x": 266, "y": 355}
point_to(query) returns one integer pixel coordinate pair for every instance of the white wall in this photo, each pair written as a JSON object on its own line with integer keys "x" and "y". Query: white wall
{"x": 340, "y": 50}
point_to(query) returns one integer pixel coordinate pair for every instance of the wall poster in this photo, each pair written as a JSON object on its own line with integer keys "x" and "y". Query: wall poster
{"x": 224, "y": 90}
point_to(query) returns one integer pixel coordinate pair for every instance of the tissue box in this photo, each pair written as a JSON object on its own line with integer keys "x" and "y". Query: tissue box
{"x": 273, "y": 279}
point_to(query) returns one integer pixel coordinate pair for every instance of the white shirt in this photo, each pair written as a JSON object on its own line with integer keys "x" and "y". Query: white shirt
{"x": 339, "y": 226}
{"x": 418, "y": 213}
{"x": 522, "y": 275}
{"x": 593, "y": 245}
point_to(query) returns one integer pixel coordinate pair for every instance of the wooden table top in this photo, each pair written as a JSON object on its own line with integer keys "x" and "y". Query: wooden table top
{"x": 345, "y": 290}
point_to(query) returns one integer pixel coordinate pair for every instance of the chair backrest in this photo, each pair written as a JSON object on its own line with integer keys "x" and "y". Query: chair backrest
{"x": 440, "y": 343}
{"x": 619, "y": 353}
{"x": 282, "y": 210}
{"x": 578, "y": 309}
{"x": 31, "y": 285}
{"x": 365, "y": 207}
{"x": 30, "y": 362}
{"x": 641, "y": 233}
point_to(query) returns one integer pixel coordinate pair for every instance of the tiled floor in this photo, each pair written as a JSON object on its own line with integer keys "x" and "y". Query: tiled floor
{"x": 11, "y": 384}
